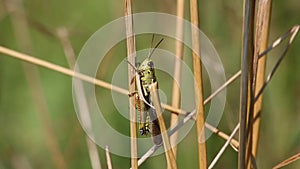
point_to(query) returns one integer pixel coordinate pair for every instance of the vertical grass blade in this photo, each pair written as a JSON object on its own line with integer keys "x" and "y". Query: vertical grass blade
{"x": 292, "y": 33}
{"x": 261, "y": 42}
{"x": 200, "y": 121}
{"x": 130, "y": 41}
{"x": 108, "y": 160}
{"x": 177, "y": 73}
{"x": 171, "y": 161}
{"x": 63, "y": 36}
{"x": 93, "y": 153}
{"x": 246, "y": 79}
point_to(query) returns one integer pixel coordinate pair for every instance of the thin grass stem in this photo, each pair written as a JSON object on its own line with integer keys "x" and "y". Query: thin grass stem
{"x": 287, "y": 161}
{"x": 198, "y": 85}
{"x": 108, "y": 160}
{"x": 130, "y": 41}
{"x": 215, "y": 160}
{"x": 171, "y": 161}
{"x": 261, "y": 42}
{"x": 293, "y": 31}
{"x": 177, "y": 73}
{"x": 62, "y": 35}
{"x": 93, "y": 153}
{"x": 246, "y": 94}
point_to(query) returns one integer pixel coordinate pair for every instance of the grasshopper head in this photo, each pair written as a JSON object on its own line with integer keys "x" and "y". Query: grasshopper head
{"x": 146, "y": 70}
{"x": 146, "y": 64}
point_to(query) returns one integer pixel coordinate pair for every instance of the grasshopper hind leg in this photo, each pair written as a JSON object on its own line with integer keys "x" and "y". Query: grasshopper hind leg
{"x": 145, "y": 130}
{"x": 144, "y": 125}
{"x": 155, "y": 129}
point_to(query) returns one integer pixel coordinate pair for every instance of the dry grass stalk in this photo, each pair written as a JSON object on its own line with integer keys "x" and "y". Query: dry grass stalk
{"x": 288, "y": 161}
{"x": 261, "y": 42}
{"x": 171, "y": 161}
{"x": 224, "y": 147}
{"x": 108, "y": 160}
{"x": 62, "y": 70}
{"x": 292, "y": 33}
{"x": 246, "y": 80}
{"x": 93, "y": 153}
{"x": 63, "y": 36}
{"x": 234, "y": 143}
{"x": 21, "y": 30}
{"x": 259, "y": 90}
{"x": 130, "y": 41}
{"x": 177, "y": 73}
{"x": 147, "y": 154}
{"x": 200, "y": 121}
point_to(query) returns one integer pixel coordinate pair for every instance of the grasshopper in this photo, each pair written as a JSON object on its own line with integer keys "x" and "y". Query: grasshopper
{"x": 145, "y": 76}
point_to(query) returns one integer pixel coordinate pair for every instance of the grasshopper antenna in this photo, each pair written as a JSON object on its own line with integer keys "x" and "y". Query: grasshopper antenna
{"x": 150, "y": 47}
{"x": 125, "y": 60}
{"x": 152, "y": 50}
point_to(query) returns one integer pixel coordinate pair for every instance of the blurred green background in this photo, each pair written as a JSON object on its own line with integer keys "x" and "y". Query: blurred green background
{"x": 24, "y": 142}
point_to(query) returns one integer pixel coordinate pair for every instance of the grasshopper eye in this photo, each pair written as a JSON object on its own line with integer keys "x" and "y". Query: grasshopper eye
{"x": 150, "y": 64}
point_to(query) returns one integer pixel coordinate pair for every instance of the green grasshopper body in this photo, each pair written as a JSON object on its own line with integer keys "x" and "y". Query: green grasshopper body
{"x": 145, "y": 76}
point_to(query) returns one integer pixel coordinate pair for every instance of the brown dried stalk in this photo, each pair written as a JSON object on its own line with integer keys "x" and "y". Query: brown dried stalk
{"x": 63, "y": 36}
{"x": 108, "y": 160}
{"x": 93, "y": 153}
{"x": 288, "y": 161}
{"x": 171, "y": 161}
{"x": 224, "y": 147}
{"x": 177, "y": 73}
{"x": 131, "y": 73}
{"x": 200, "y": 121}
{"x": 261, "y": 42}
